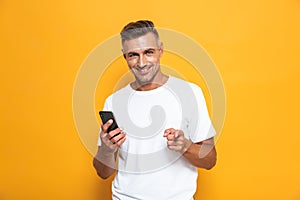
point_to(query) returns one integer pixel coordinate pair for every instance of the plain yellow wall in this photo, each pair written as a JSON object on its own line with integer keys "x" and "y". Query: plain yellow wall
{"x": 255, "y": 45}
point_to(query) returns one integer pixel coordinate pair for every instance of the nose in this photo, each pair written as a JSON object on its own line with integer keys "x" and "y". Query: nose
{"x": 141, "y": 60}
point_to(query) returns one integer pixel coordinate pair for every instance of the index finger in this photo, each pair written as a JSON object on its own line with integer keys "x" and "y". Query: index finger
{"x": 169, "y": 131}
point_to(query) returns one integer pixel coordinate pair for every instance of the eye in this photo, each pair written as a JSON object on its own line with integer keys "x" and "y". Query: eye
{"x": 149, "y": 52}
{"x": 131, "y": 55}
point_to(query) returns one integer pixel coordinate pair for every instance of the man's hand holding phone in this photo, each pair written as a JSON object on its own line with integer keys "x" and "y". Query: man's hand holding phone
{"x": 113, "y": 139}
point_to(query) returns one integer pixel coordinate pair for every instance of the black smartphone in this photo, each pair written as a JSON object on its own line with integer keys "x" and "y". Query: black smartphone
{"x": 107, "y": 115}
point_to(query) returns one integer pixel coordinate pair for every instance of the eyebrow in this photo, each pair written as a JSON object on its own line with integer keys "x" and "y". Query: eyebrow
{"x": 151, "y": 48}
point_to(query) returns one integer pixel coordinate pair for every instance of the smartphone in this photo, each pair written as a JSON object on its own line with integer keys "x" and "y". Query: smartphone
{"x": 107, "y": 115}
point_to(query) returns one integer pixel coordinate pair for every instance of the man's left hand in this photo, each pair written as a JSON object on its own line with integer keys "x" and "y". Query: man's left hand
{"x": 176, "y": 140}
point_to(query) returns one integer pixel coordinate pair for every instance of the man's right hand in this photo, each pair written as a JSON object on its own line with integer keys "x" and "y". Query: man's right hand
{"x": 113, "y": 140}
{"x": 105, "y": 159}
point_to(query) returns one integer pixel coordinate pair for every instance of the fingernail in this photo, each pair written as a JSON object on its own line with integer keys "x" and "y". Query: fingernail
{"x": 110, "y": 121}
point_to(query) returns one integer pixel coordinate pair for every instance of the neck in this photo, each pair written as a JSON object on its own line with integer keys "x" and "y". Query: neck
{"x": 158, "y": 81}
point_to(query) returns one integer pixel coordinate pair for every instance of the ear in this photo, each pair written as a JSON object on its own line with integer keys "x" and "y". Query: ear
{"x": 161, "y": 50}
{"x": 123, "y": 52}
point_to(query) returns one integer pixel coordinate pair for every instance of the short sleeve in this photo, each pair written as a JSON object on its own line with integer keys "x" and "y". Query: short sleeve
{"x": 200, "y": 127}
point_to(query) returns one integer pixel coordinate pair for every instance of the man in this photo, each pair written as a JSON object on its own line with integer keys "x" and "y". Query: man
{"x": 167, "y": 132}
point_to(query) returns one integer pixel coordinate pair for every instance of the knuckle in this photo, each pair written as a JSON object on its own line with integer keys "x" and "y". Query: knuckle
{"x": 117, "y": 130}
{"x": 104, "y": 129}
{"x": 110, "y": 134}
{"x": 170, "y": 137}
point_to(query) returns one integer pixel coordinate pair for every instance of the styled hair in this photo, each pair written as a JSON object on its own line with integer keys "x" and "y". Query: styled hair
{"x": 136, "y": 29}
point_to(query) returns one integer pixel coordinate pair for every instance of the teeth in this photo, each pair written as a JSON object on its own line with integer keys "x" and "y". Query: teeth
{"x": 139, "y": 68}
{"x": 143, "y": 68}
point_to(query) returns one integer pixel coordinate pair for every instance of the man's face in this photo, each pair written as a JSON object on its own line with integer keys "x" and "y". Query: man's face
{"x": 143, "y": 57}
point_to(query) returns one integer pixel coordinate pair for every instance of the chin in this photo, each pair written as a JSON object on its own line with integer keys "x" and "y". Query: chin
{"x": 144, "y": 80}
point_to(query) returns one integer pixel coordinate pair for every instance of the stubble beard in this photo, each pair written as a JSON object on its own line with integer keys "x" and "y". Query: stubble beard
{"x": 148, "y": 78}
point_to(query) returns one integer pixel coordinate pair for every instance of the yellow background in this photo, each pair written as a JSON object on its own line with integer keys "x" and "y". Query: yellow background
{"x": 255, "y": 45}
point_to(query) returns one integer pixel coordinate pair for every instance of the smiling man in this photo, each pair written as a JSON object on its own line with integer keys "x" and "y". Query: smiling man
{"x": 167, "y": 131}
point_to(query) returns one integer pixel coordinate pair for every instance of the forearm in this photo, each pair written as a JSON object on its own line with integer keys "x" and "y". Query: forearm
{"x": 104, "y": 163}
{"x": 201, "y": 155}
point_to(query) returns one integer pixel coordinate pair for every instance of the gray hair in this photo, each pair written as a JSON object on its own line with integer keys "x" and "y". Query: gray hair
{"x": 136, "y": 29}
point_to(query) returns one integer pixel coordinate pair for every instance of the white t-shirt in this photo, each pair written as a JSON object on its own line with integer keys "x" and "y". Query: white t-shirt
{"x": 147, "y": 169}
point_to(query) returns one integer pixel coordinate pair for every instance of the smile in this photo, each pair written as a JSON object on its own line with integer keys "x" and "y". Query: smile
{"x": 143, "y": 70}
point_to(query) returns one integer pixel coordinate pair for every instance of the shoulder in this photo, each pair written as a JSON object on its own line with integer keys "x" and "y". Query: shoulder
{"x": 185, "y": 84}
{"x": 120, "y": 92}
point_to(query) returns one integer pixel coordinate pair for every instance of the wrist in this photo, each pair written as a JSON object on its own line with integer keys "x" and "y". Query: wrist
{"x": 105, "y": 151}
{"x": 186, "y": 146}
